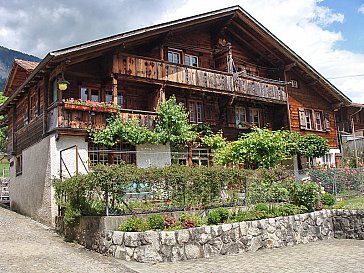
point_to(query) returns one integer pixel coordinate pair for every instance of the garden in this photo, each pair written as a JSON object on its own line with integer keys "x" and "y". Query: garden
{"x": 222, "y": 193}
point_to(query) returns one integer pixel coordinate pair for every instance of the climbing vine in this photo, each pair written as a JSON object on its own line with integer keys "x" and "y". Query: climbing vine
{"x": 171, "y": 126}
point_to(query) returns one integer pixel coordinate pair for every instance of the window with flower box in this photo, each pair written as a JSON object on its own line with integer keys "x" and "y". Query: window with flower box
{"x": 240, "y": 118}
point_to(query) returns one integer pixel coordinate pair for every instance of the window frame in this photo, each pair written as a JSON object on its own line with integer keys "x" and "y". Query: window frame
{"x": 190, "y": 57}
{"x": 18, "y": 165}
{"x": 174, "y": 52}
{"x": 195, "y": 116}
{"x": 89, "y": 92}
{"x": 120, "y": 95}
{"x": 252, "y": 122}
{"x": 238, "y": 111}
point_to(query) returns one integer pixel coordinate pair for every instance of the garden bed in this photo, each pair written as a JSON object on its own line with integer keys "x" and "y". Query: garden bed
{"x": 100, "y": 234}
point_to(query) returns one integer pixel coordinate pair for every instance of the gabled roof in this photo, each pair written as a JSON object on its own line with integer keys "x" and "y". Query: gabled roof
{"x": 147, "y": 32}
{"x": 19, "y": 72}
{"x": 27, "y": 65}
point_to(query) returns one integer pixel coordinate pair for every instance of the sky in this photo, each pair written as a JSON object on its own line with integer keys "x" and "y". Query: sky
{"x": 328, "y": 34}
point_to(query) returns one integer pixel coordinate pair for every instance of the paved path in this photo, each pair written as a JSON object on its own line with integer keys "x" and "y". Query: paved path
{"x": 28, "y": 247}
{"x": 331, "y": 256}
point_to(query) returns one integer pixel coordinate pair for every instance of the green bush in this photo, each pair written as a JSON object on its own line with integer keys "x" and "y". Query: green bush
{"x": 156, "y": 222}
{"x": 304, "y": 194}
{"x": 328, "y": 199}
{"x": 219, "y": 215}
{"x": 262, "y": 207}
{"x": 134, "y": 224}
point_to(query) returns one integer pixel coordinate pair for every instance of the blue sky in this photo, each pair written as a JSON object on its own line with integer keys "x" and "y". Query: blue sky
{"x": 352, "y": 25}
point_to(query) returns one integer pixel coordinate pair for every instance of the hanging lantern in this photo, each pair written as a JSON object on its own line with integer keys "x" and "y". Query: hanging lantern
{"x": 63, "y": 84}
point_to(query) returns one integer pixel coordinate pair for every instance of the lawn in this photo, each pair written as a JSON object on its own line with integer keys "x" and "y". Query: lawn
{"x": 353, "y": 203}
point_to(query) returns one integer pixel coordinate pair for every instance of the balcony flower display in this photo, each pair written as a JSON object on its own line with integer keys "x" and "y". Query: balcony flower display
{"x": 88, "y": 105}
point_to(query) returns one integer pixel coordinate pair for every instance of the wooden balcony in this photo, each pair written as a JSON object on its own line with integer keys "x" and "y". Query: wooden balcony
{"x": 201, "y": 78}
{"x": 80, "y": 118}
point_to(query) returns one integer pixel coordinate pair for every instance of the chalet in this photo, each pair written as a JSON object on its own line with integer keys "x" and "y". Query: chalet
{"x": 225, "y": 67}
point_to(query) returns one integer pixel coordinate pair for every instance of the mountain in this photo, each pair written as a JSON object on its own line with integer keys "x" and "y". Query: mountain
{"x": 6, "y": 59}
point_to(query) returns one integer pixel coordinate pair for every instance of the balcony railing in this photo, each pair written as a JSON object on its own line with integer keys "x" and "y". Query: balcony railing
{"x": 62, "y": 117}
{"x": 162, "y": 71}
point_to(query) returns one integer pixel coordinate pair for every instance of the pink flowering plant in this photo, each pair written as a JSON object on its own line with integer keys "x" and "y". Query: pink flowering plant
{"x": 335, "y": 180}
{"x": 90, "y": 103}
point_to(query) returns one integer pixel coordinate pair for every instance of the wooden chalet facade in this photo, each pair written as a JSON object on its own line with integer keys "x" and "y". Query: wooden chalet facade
{"x": 226, "y": 68}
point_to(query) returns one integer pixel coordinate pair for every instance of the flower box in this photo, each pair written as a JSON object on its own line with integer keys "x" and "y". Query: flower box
{"x": 78, "y": 107}
{"x": 104, "y": 110}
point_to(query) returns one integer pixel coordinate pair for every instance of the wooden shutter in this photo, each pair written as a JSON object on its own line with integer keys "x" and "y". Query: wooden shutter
{"x": 231, "y": 117}
{"x": 302, "y": 118}
{"x": 326, "y": 121}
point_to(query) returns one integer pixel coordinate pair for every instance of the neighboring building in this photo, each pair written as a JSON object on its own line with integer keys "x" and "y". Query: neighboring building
{"x": 224, "y": 66}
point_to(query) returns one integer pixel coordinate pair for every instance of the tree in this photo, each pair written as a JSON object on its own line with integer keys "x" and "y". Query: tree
{"x": 3, "y": 130}
{"x": 311, "y": 145}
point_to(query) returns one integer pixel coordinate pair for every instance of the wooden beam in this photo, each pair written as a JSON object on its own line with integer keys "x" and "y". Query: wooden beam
{"x": 258, "y": 41}
{"x": 115, "y": 90}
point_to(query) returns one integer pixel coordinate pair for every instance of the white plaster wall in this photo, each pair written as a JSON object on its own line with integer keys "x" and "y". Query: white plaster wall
{"x": 153, "y": 155}
{"x": 30, "y": 192}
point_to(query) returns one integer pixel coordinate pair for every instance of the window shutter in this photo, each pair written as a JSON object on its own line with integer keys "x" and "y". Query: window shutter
{"x": 231, "y": 117}
{"x": 326, "y": 122}
{"x": 302, "y": 118}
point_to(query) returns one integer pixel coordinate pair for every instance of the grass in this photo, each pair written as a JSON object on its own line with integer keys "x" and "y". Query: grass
{"x": 353, "y": 203}
{"x": 3, "y": 166}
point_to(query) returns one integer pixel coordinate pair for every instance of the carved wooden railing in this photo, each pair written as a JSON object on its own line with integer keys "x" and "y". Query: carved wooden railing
{"x": 81, "y": 118}
{"x": 157, "y": 70}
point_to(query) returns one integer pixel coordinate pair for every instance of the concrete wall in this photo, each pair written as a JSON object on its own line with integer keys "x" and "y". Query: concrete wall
{"x": 209, "y": 241}
{"x": 153, "y": 155}
{"x": 31, "y": 193}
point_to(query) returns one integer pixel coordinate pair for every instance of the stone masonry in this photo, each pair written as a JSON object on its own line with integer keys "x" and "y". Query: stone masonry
{"x": 210, "y": 241}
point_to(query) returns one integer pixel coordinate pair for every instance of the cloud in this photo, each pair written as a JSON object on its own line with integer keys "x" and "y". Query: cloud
{"x": 361, "y": 9}
{"x": 40, "y": 26}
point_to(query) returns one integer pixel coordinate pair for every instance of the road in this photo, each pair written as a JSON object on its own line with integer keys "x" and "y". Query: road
{"x": 29, "y": 247}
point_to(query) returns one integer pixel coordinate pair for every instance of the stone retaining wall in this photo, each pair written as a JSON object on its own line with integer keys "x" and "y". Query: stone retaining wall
{"x": 209, "y": 241}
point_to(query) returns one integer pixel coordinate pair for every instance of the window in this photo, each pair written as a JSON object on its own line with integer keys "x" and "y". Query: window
{"x": 200, "y": 157}
{"x": 254, "y": 117}
{"x": 308, "y": 119}
{"x": 191, "y": 60}
{"x": 174, "y": 56}
{"x": 54, "y": 95}
{"x": 33, "y": 106}
{"x": 19, "y": 165}
{"x": 195, "y": 108}
{"x": 240, "y": 117}
{"x": 294, "y": 83}
{"x": 318, "y": 121}
{"x": 313, "y": 120}
{"x": 91, "y": 94}
{"x": 108, "y": 98}
{"x": 121, "y": 152}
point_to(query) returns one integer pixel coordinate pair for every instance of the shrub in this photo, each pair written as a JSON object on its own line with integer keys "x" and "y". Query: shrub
{"x": 134, "y": 224}
{"x": 156, "y": 222}
{"x": 328, "y": 199}
{"x": 71, "y": 216}
{"x": 219, "y": 215}
{"x": 262, "y": 207}
{"x": 304, "y": 194}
